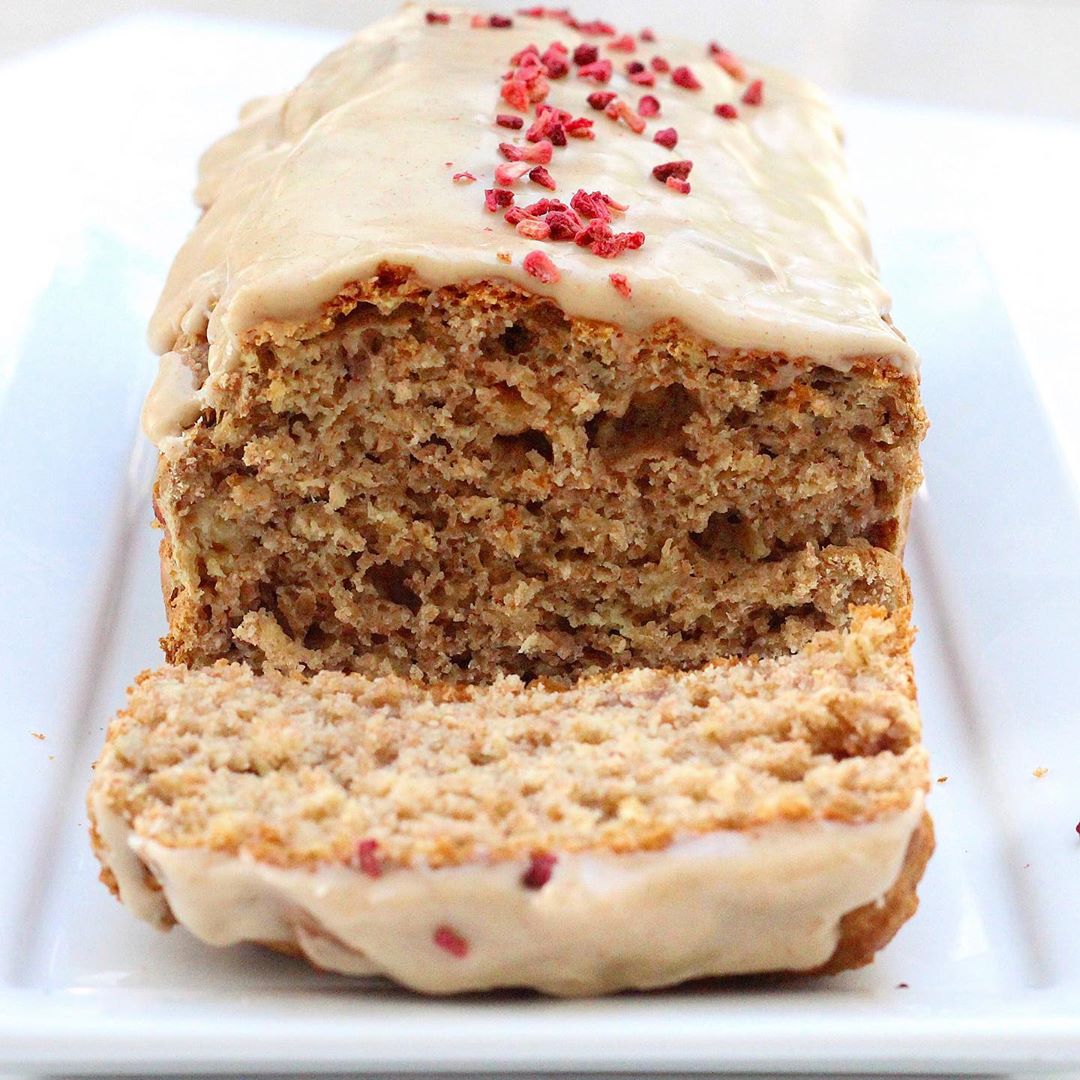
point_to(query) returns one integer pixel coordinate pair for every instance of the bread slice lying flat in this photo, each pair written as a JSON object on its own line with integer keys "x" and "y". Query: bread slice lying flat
{"x": 634, "y": 830}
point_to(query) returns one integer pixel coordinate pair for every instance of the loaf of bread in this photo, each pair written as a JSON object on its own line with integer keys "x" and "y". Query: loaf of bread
{"x": 527, "y": 349}
{"x": 536, "y": 454}
{"x": 636, "y": 830}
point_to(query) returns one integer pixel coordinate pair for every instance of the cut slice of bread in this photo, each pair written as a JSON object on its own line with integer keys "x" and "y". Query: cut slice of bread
{"x": 634, "y": 830}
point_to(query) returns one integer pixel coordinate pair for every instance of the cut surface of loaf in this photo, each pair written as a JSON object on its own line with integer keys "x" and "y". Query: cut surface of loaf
{"x": 634, "y": 830}
{"x": 387, "y": 447}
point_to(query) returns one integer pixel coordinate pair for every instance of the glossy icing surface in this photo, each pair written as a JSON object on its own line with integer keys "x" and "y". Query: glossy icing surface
{"x": 355, "y": 168}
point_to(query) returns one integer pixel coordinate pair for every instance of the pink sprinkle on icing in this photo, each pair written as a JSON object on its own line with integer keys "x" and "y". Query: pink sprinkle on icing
{"x": 622, "y": 286}
{"x": 648, "y": 106}
{"x": 510, "y": 172}
{"x": 436, "y": 18}
{"x": 541, "y": 267}
{"x": 681, "y": 186}
{"x": 647, "y": 34}
{"x": 659, "y": 64}
{"x": 496, "y": 198}
{"x": 599, "y": 71}
{"x": 619, "y": 110}
{"x": 678, "y": 169}
{"x": 541, "y": 176}
{"x": 586, "y": 54}
{"x": 539, "y": 153}
{"x": 754, "y": 93}
{"x": 643, "y": 78}
{"x": 464, "y": 178}
{"x": 667, "y": 137}
{"x": 367, "y": 857}
{"x": 506, "y": 120}
{"x": 728, "y": 61}
{"x": 684, "y": 77}
{"x": 533, "y": 229}
{"x": 541, "y": 864}
{"x": 600, "y": 99}
{"x": 624, "y": 43}
{"x": 727, "y": 111}
{"x": 448, "y": 939}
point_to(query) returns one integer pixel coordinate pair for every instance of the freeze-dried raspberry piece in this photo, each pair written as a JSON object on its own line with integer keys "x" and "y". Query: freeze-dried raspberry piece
{"x": 726, "y": 110}
{"x": 496, "y": 198}
{"x": 600, "y": 99}
{"x": 541, "y": 864}
{"x": 684, "y": 77}
{"x": 678, "y": 169}
{"x": 541, "y": 267}
{"x": 622, "y": 286}
{"x": 367, "y": 858}
{"x": 448, "y": 939}
{"x": 541, "y": 176}
{"x": 648, "y": 106}
{"x": 667, "y": 137}
{"x": 599, "y": 71}
{"x": 754, "y": 93}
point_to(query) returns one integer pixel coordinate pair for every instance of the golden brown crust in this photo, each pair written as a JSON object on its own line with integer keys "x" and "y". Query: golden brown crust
{"x": 867, "y": 930}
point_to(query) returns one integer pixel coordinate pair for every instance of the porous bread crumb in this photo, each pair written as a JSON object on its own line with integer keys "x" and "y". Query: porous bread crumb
{"x": 297, "y": 771}
{"x": 462, "y": 483}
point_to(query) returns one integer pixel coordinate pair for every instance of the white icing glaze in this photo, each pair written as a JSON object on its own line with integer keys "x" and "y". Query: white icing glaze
{"x": 318, "y": 187}
{"x": 173, "y": 402}
{"x": 726, "y": 903}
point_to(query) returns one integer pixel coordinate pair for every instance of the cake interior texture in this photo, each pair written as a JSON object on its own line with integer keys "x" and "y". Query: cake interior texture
{"x": 295, "y": 771}
{"x": 461, "y": 483}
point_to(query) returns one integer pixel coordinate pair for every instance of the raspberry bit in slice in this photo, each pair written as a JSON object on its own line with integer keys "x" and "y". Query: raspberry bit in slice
{"x": 448, "y": 939}
{"x": 647, "y": 35}
{"x": 496, "y": 198}
{"x": 681, "y": 186}
{"x": 622, "y": 286}
{"x": 660, "y": 65}
{"x": 580, "y": 128}
{"x": 500, "y": 22}
{"x": 556, "y": 60}
{"x": 684, "y": 77}
{"x": 541, "y": 863}
{"x": 464, "y": 178}
{"x": 506, "y": 120}
{"x": 533, "y": 229}
{"x": 727, "y": 111}
{"x": 643, "y": 78}
{"x": 754, "y": 93}
{"x": 649, "y": 106}
{"x": 541, "y": 267}
{"x": 666, "y": 137}
{"x": 436, "y": 18}
{"x": 367, "y": 858}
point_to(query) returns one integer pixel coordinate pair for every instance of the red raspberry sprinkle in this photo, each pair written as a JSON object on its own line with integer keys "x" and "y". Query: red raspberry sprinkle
{"x": 586, "y": 54}
{"x": 538, "y": 153}
{"x": 619, "y": 110}
{"x": 555, "y": 61}
{"x": 727, "y": 111}
{"x": 643, "y": 78}
{"x": 506, "y": 120}
{"x": 514, "y": 215}
{"x": 647, "y": 35}
{"x": 541, "y": 267}
{"x": 580, "y": 128}
{"x": 625, "y": 43}
{"x": 530, "y": 53}
{"x": 541, "y": 864}
{"x": 367, "y": 857}
{"x": 684, "y": 77}
{"x": 515, "y": 92}
{"x": 596, "y": 26}
{"x": 622, "y": 286}
{"x": 500, "y": 22}
{"x": 599, "y": 71}
{"x": 564, "y": 225}
{"x": 667, "y": 137}
{"x": 681, "y": 186}
{"x": 658, "y": 63}
{"x": 446, "y": 937}
{"x": 648, "y": 106}
{"x": 533, "y": 12}
{"x": 533, "y": 229}
{"x": 595, "y": 204}
{"x": 754, "y": 93}
{"x": 600, "y": 99}
{"x": 544, "y": 206}
{"x": 508, "y": 173}
{"x": 478, "y": 22}
{"x": 728, "y": 61}
{"x": 464, "y": 178}
{"x": 541, "y": 176}
{"x": 678, "y": 169}
{"x": 496, "y": 198}
{"x": 436, "y": 18}
{"x": 634, "y": 67}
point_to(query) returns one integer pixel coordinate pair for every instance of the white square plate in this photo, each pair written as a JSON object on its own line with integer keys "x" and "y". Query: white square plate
{"x": 987, "y": 976}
